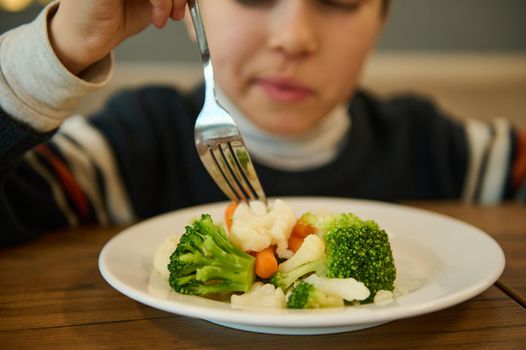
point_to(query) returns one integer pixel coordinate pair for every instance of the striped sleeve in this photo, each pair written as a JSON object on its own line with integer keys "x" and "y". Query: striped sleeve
{"x": 496, "y": 163}
{"x": 518, "y": 175}
{"x": 78, "y": 169}
{"x": 97, "y": 152}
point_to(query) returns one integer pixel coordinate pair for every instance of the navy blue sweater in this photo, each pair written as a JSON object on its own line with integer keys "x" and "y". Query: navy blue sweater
{"x": 401, "y": 149}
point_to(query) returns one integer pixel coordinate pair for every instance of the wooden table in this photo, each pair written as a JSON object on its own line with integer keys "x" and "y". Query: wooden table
{"x": 52, "y": 296}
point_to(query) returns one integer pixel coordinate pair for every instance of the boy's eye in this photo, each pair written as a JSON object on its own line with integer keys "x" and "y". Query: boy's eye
{"x": 255, "y": 3}
{"x": 347, "y": 5}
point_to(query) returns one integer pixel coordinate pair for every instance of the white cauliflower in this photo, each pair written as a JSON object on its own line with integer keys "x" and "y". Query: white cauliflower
{"x": 262, "y": 296}
{"x": 312, "y": 249}
{"x": 254, "y": 228}
{"x": 161, "y": 258}
{"x": 383, "y": 297}
{"x": 346, "y": 288}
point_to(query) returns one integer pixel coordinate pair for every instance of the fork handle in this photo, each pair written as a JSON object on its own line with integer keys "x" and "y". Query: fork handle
{"x": 203, "y": 46}
{"x": 199, "y": 29}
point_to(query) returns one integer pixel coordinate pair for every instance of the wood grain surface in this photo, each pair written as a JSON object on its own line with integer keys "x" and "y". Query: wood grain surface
{"x": 52, "y": 296}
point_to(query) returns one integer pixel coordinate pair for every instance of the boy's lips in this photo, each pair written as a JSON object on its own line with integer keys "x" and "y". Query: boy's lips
{"x": 284, "y": 89}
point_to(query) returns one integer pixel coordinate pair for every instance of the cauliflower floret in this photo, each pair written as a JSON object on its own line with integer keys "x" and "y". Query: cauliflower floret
{"x": 263, "y": 296}
{"x": 254, "y": 228}
{"x": 312, "y": 249}
{"x": 250, "y": 226}
{"x": 347, "y": 288}
{"x": 161, "y": 258}
{"x": 383, "y": 297}
{"x": 284, "y": 221}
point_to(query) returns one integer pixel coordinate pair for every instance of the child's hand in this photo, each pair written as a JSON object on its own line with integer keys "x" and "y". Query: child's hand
{"x": 84, "y": 31}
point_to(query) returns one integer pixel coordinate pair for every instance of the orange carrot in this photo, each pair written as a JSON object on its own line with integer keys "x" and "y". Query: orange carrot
{"x": 266, "y": 263}
{"x": 303, "y": 229}
{"x": 295, "y": 242}
{"x": 229, "y": 213}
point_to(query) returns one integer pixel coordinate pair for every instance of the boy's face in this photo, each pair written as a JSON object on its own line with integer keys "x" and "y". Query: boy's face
{"x": 287, "y": 63}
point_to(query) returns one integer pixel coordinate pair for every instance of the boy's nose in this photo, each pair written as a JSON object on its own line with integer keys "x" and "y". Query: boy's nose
{"x": 292, "y": 28}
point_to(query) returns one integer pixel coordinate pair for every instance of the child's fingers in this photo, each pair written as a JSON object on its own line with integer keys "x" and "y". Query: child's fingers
{"x": 178, "y": 9}
{"x": 160, "y": 12}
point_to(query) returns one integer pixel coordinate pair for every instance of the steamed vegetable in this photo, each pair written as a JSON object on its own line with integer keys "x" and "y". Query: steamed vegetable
{"x": 264, "y": 296}
{"x": 205, "y": 262}
{"x": 307, "y": 296}
{"x": 266, "y": 263}
{"x": 359, "y": 249}
{"x": 309, "y": 258}
{"x": 255, "y": 227}
{"x": 318, "y": 260}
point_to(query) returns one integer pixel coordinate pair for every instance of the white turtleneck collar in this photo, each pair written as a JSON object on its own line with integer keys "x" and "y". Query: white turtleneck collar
{"x": 313, "y": 149}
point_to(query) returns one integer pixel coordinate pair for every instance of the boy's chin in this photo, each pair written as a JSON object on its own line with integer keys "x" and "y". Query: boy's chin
{"x": 285, "y": 126}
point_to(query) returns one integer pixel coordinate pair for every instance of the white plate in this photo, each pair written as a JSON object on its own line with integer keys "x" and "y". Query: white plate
{"x": 440, "y": 261}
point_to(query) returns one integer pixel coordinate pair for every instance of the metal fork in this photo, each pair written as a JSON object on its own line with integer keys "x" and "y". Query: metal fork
{"x": 217, "y": 137}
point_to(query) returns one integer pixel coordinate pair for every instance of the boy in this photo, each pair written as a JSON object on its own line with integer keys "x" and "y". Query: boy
{"x": 291, "y": 68}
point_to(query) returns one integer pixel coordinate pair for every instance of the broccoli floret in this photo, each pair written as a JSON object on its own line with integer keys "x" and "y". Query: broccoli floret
{"x": 351, "y": 248}
{"x": 310, "y": 257}
{"x": 361, "y": 250}
{"x": 284, "y": 279}
{"x": 307, "y": 296}
{"x": 206, "y": 262}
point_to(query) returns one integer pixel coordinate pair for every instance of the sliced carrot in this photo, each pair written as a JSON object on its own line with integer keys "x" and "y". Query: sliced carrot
{"x": 266, "y": 263}
{"x": 229, "y": 214}
{"x": 303, "y": 229}
{"x": 295, "y": 242}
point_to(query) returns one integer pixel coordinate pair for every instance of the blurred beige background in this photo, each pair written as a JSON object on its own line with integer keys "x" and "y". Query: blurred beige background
{"x": 464, "y": 85}
{"x": 467, "y": 55}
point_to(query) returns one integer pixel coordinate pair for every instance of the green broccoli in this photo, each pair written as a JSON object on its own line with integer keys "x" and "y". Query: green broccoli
{"x": 284, "y": 279}
{"x": 352, "y": 248}
{"x": 359, "y": 249}
{"x": 206, "y": 262}
{"x": 307, "y": 296}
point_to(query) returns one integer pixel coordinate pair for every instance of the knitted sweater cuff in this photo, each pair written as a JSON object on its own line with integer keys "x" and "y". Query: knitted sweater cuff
{"x": 35, "y": 87}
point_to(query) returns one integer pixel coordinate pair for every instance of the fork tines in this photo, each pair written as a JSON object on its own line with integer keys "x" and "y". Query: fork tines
{"x": 217, "y": 138}
{"x": 231, "y": 161}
